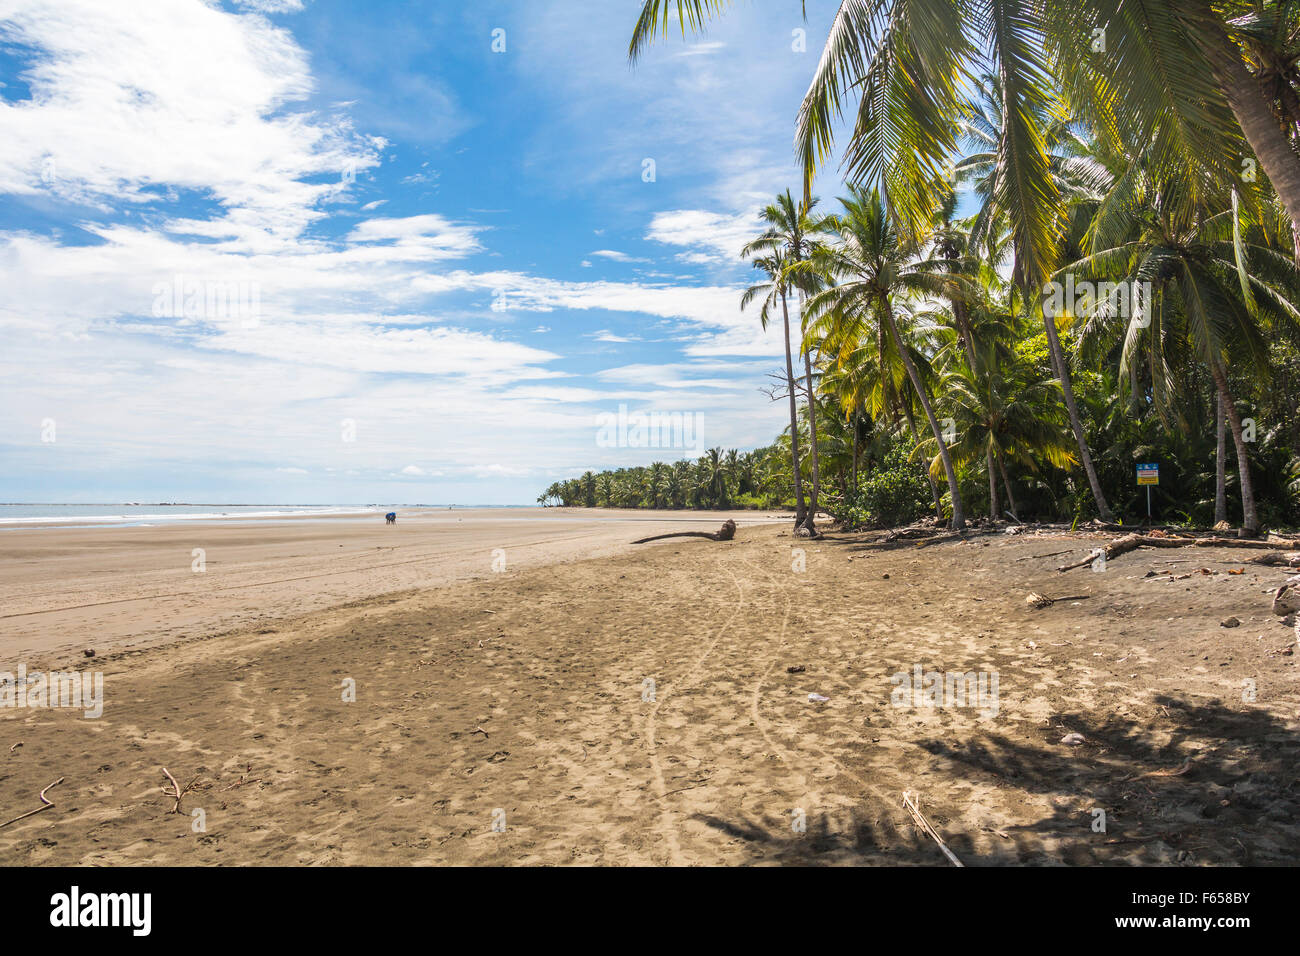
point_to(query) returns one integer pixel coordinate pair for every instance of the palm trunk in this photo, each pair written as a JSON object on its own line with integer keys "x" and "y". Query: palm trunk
{"x": 1249, "y": 520}
{"x": 958, "y": 512}
{"x": 1006, "y": 482}
{"x": 916, "y": 440}
{"x": 854, "y": 426}
{"x": 1254, "y": 113}
{"x": 1221, "y": 450}
{"x": 816, "y": 464}
{"x": 995, "y": 506}
{"x": 1076, "y": 424}
{"x": 799, "y": 512}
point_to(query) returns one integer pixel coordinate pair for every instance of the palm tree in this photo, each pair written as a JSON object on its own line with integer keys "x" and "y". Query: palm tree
{"x": 872, "y": 263}
{"x": 713, "y": 478}
{"x": 1209, "y": 285}
{"x": 791, "y": 236}
{"x": 1172, "y": 69}
{"x": 1170, "y": 72}
{"x": 770, "y": 293}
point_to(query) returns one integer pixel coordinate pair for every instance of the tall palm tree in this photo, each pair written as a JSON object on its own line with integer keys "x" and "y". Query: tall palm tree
{"x": 770, "y": 293}
{"x": 792, "y": 235}
{"x": 872, "y": 264}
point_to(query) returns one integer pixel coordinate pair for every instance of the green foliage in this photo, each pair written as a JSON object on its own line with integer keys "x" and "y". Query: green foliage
{"x": 895, "y": 492}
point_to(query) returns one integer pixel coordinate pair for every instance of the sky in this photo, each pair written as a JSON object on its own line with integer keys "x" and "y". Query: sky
{"x": 318, "y": 251}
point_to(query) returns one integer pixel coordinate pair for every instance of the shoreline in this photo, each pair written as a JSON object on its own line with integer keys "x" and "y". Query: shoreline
{"x": 118, "y": 586}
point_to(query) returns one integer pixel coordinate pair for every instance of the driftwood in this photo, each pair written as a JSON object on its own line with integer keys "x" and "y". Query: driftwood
{"x": 177, "y": 791}
{"x": 1131, "y": 542}
{"x": 46, "y": 803}
{"x": 1039, "y": 601}
{"x": 725, "y": 533}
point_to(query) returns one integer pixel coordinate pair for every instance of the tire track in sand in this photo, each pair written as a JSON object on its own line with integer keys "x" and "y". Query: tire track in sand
{"x": 764, "y": 726}
{"x": 666, "y": 827}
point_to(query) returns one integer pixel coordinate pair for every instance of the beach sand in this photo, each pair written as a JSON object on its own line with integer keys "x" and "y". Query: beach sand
{"x": 66, "y": 589}
{"x": 601, "y": 704}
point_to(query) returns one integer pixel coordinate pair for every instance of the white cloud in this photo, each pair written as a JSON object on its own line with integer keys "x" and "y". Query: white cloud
{"x": 711, "y": 236}
{"x": 131, "y": 99}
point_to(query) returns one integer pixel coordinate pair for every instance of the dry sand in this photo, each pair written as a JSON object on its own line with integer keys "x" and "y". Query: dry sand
{"x": 519, "y": 699}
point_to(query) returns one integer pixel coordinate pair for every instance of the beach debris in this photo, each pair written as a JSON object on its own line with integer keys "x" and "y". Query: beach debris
{"x": 1162, "y": 539}
{"x": 177, "y": 790}
{"x": 795, "y": 669}
{"x": 244, "y": 779}
{"x": 1230, "y": 622}
{"x": 927, "y": 829}
{"x": 1170, "y": 772}
{"x": 480, "y": 730}
{"x": 89, "y": 652}
{"x": 1073, "y": 739}
{"x": 1050, "y": 554}
{"x": 725, "y": 533}
{"x": 15, "y": 746}
{"x": 46, "y": 803}
{"x": 1040, "y": 601}
{"x": 1289, "y": 559}
{"x": 1286, "y": 599}
{"x": 817, "y": 699}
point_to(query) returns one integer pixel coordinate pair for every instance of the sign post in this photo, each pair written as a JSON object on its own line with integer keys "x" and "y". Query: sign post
{"x": 1148, "y": 475}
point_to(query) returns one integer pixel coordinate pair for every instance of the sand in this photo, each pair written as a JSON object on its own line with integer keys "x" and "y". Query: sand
{"x": 65, "y": 589}
{"x": 510, "y": 719}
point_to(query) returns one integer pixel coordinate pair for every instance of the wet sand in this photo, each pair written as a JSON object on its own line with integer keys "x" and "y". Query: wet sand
{"x": 65, "y": 589}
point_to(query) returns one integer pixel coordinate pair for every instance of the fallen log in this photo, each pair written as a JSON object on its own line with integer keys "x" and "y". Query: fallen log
{"x": 725, "y": 533}
{"x": 1268, "y": 545}
{"x": 1285, "y": 559}
{"x": 1131, "y": 542}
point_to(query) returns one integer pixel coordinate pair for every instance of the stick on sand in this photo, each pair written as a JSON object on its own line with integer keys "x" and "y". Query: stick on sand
{"x": 924, "y": 824}
{"x": 47, "y": 804}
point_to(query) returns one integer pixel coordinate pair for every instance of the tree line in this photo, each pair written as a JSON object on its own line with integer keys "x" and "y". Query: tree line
{"x": 1122, "y": 287}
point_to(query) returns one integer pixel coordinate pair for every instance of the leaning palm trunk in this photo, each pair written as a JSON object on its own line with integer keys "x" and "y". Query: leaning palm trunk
{"x": 1221, "y": 449}
{"x": 812, "y": 429}
{"x": 1249, "y": 520}
{"x": 799, "y": 512}
{"x": 1254, "y": 113}
{"x": 958, "y": 513}
{"x": 1076, "y": 424}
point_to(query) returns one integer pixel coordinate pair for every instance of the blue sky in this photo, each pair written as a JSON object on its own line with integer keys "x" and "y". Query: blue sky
{"x": 442, "y": 263}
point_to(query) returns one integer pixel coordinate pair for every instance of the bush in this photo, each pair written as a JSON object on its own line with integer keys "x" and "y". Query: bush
{"x": 895, "y": 492}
